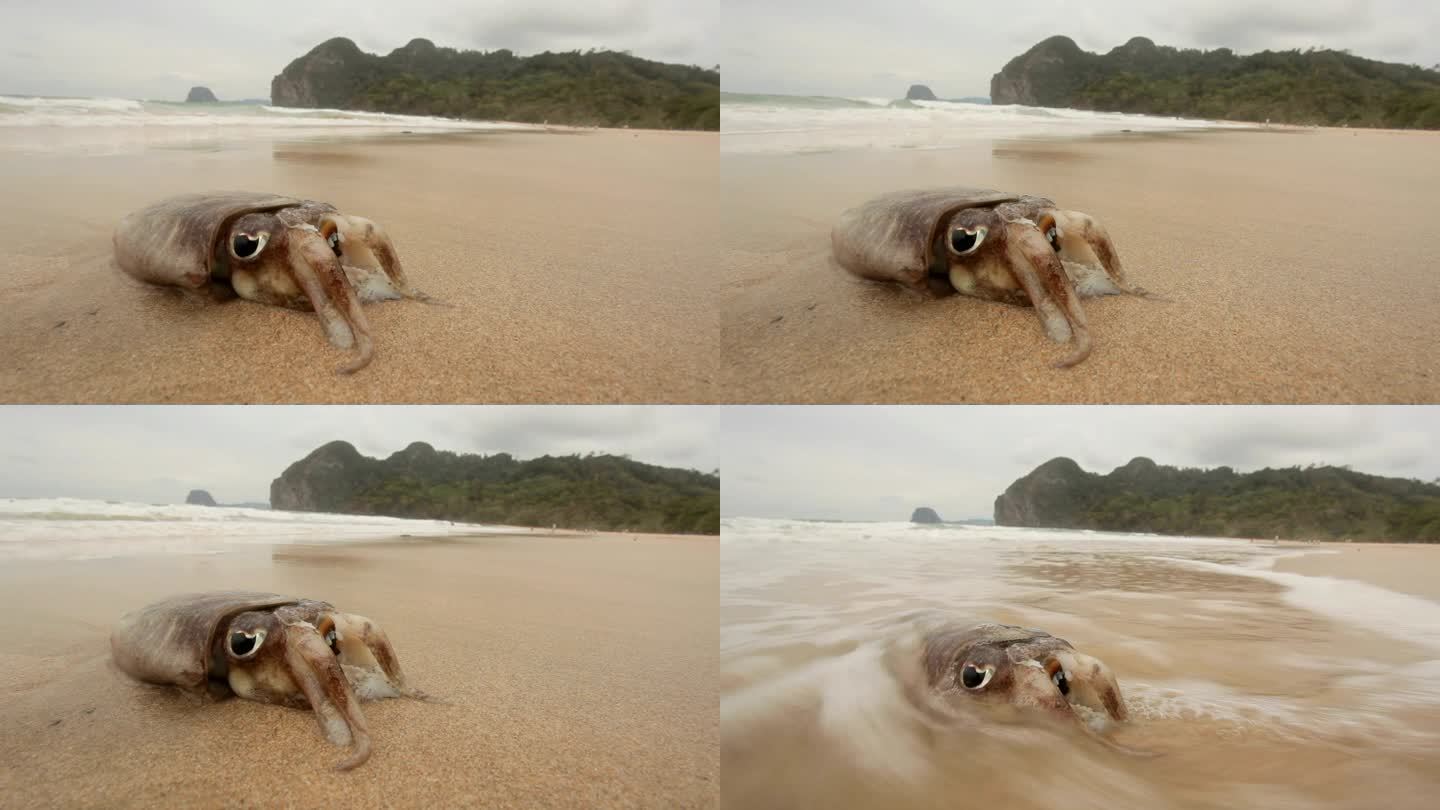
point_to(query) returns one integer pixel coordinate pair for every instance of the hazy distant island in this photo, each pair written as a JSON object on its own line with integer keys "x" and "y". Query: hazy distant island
{"x": 593, "y": 88}
{"x": 1310, "y": 503}
{"x": 200, "y": 497}
{"x": 200, "y": 95}
{"x": 925, "y": 514}
{"x": 1323, "y": 87}
{"x": 593, "y": 492}
{"x": 919, "y": 92}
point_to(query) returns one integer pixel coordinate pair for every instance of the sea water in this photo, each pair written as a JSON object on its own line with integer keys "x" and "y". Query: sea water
{"x": 1256, "y": 687}
{"x": 44, "y": 123}
{"x": 795, "y": 124}
{"x": 79, "y": 529}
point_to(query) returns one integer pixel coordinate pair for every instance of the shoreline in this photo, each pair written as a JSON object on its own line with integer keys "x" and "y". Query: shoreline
{"x": 1400, "y": 567}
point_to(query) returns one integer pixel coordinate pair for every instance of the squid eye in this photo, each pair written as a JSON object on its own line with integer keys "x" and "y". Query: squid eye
{"x": 244, "y": 645}
{"x": 248, "y": 246}
{"x": 333, "y": 640}
{"x": 964, "y": 240}
{"x": 973, "y": 677}
{"x": 1053, "y": 237}
{"x": 1061, "y": 682}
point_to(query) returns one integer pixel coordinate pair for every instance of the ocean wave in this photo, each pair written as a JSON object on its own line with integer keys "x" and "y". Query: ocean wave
{"x": 70, "y": 105}
{"x": 110, "y": 125}
{"x": 76, "y": 528}
{"x": 794, "y": 124}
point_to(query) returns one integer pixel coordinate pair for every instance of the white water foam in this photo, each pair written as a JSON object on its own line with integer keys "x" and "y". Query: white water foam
{"x": 78, "y": 529}
{"x": 39, "y": 123}
{"x": 1398, "y": 615}
{"x": 782, "y": 124}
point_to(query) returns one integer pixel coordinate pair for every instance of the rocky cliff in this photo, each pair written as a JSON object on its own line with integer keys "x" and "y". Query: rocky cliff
{"x": 200, "y": 94}
{"x": 1305, "y": 503}
{"x": 1313, "y": 87}
{"x": 590, "y": 492}
{"x": 323, "y": 480}
{"x": 1049, "y": 496}
{"x": 919, "y": 92}
{"x": 601, "y": 88}
{"x": 327, "y": 76}
{"x": 1044, "y": 76}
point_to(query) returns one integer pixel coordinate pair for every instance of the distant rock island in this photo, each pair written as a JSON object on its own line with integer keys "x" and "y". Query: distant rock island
{"x": 199, "y": 497}
{"x": 591, "y": 88}
{"x": 920, "y": 92}
{"x": 925, "y": 514}
{"x": 1323, "y": 87}
{"x": 200, "y": 94}
{"x": 1312, "y": 503}
{"x": 593, "y": 492}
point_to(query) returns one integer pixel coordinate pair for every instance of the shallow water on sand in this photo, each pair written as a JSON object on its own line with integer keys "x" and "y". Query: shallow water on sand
{"x": 1256, "y": 688}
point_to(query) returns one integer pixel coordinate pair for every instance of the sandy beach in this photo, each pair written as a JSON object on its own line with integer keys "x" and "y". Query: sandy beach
{"x": 1401, "y": 567}
{"x": 578, "y": 672}
{"x": 578, "y": 265}
{"x": 1296, "y": 264}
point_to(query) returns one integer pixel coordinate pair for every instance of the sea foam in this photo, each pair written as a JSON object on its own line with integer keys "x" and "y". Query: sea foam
{"x": 78, "y": 529}
{"x": 793, "y": 124}
{"x": 40, "y": 123}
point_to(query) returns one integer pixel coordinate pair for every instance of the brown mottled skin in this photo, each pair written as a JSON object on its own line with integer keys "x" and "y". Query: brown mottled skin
{"x": 190, "y": 241}
{"x": 1024, "y": 662}
{"x": 211, "y": 646}
{"x": 1031, "y": 254}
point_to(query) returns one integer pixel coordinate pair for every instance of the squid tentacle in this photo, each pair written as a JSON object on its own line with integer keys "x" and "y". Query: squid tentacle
{"x": 320, "y": 275}
{"x": 1041, "y": 275}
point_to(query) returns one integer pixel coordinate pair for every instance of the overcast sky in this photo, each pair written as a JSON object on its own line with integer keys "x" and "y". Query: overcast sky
{"x": 865, "y": 48}
{"x": 879, "y": 463}
{"x": 158, "y": 49}
{"x": 157, "y": 454}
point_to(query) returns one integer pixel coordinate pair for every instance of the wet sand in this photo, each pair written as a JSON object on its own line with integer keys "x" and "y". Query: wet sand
{"x": 579, "y": 266}
{"x": 579, "y": 672}
{"x": 1297, "y": 265}
{"x": 1403, "y": 567}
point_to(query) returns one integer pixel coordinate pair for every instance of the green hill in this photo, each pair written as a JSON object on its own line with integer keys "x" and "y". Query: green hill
{"x": 593, "y": 88}
{"x": 1331, "y": 88}
{"x": 1316, "y": 503}
{"x": 593, "y": 492}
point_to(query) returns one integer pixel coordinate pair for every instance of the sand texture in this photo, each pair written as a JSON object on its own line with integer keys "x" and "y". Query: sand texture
{"x": 578, "y": 672}
{"x": 1298, "y": 264}
{"x": 579, "y": 266}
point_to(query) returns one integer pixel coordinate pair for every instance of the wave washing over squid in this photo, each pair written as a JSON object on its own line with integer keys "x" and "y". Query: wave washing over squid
{"x": 870, "y": 665}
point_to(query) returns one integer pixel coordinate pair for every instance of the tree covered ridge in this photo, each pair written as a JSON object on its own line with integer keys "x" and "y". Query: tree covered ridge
{"x": 590, "y": 88}
{"x": 590, "y": 492}
{"x": 1315, "y": 86}
{"x": 1315, "y": 502}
